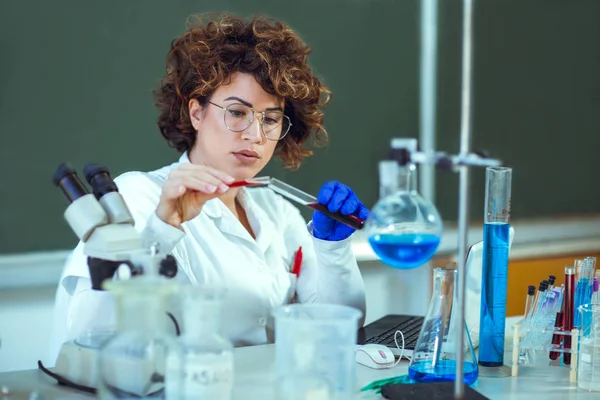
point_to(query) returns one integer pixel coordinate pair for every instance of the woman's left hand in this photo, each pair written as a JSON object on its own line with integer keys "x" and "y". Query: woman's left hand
{"x": 338, "y": 198}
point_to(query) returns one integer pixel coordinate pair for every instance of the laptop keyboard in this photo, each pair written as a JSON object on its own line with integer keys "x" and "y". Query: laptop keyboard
{"x": 410, "y": 328}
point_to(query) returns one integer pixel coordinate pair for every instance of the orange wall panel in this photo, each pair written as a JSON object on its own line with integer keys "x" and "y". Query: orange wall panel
{"x": 522, "y": 273}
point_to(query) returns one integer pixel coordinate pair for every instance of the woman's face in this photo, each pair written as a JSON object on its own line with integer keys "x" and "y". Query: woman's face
{"x": 240, "y": 154}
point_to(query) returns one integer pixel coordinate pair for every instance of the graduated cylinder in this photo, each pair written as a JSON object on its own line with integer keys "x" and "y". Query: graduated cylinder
{"x": 492, "y": 318}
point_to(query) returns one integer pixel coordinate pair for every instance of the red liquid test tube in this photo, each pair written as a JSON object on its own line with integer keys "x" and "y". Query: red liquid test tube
{"x": 568, "y": 315}
{"x": 245, "y": 183}
{"x": 350, "y": 220}
{"x": 558, "y": 323}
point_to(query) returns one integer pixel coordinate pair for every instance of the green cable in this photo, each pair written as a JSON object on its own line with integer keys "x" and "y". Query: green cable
{"x": 377, "y": 385}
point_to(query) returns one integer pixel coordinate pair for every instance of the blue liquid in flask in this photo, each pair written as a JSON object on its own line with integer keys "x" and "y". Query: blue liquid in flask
{"x": 493, "y": 294}
{"x": 443, "y": 371}
{"x": 404, "y": 251}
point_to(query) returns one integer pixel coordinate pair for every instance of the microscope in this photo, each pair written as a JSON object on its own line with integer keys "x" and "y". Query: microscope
{"x": 114, "y": 250}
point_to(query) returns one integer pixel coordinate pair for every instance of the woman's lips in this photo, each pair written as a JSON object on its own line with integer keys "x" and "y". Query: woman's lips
{"x": 246, "y": 157}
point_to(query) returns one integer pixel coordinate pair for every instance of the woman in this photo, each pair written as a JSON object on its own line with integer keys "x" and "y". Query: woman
{"x": 235, "y": 93}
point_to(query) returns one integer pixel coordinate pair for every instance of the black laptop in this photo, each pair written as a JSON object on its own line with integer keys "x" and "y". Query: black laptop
{"x": 382, "y": 332}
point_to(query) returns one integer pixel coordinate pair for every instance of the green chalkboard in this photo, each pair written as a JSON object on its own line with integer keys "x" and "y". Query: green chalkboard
{"x": 76, "y": 79}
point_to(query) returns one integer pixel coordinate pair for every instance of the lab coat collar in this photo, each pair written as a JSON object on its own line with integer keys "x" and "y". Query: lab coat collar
{"x": 260, "y": 222}
{"x": 213, "y": 209}
{"x": 263, "y": 227}
{"x": 184, "y": 158}
{"x": 228, "y": 224}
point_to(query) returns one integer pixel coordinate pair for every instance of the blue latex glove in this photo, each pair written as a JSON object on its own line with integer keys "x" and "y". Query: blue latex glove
{"x": 337, "y": 197}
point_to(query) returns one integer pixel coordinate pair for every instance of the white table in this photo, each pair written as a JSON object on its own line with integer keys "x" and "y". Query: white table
{"x": 254, "y": 379}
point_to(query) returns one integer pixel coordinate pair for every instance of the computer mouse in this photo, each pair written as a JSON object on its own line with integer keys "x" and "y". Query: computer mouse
{"x": 376, "y": 356}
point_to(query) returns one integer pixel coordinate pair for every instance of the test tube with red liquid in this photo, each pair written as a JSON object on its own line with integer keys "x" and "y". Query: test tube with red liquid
{"x": 300, "y": 197}
{"x": 568, "y": 315}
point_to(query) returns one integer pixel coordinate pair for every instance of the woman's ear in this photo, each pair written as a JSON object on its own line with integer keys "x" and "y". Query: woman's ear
{"x": 195, "y": 113}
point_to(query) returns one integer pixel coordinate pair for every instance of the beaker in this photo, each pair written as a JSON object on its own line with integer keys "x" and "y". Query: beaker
{"x": 207, "y": 355}
{"x": 403, "y": 228}
{"x": 434, "y": 357}
{"x": 133, "y": 364}
{"x": 588, "y": 369}
{"x": 100, "y": 327}
{"x": 315, "y": 347}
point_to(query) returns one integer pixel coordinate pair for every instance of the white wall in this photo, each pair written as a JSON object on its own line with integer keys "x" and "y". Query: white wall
{"x": 26, "y": 314}
{"x": 394, "y": 291}
{"x": 25, "y": 324}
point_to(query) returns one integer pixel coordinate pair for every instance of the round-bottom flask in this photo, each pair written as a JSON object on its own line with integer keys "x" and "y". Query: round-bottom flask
{"x": 434, "y": 357}
{"x": 133, "y": 364}
{"x": 207, "y": 355}
{"x": 403, "y": 228}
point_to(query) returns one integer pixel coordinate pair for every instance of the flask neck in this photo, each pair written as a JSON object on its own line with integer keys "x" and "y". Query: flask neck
{"x": 407, "y": 178}
{"x": 444, "y": 292}
{"x": 386, "y": 190}
{"x": 201, "y": 317}
{"x": 201, "y": 323}
{"x": 395, "y": 178}
{"x": 141, "y": 313}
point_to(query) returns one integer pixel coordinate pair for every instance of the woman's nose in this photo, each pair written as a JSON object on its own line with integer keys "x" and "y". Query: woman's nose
{"x": 253, "y": 132}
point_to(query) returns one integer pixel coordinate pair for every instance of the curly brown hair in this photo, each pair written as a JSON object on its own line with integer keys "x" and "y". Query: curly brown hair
{"x": 207, "y": 54}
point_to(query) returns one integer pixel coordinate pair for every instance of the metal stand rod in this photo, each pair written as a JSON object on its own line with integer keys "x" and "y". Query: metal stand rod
{"x": 463, "y": 196}
{"x": 429, "y": 23}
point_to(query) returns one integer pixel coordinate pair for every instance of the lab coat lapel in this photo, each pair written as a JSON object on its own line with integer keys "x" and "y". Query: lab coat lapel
{"x": 225, "y": 221}
{"x": 230, "y": 225}
{"x": 262, "y": 225}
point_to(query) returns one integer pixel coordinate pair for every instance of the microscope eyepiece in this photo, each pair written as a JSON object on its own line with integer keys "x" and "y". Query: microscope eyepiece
{"x": 99, "y": 178}
{"x": 107, "y": 193}
{"x": 66, "y": 178}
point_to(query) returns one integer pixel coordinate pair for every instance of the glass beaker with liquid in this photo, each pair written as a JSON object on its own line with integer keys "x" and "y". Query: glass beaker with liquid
{"x": 588, "y": 368}
{"x": 134, "y": 363}
{"x": 207, "y": 367}
{"x": 403, "y": 228}
{"x": 315, "y": 348}
{"x": 434, "y": 357}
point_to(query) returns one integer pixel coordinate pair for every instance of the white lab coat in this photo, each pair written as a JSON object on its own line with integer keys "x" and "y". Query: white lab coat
{"x": 214, "y": 248}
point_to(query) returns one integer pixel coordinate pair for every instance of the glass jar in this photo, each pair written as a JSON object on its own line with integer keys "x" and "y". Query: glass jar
{"x": 133, "y": 363}
{"x": 207, "y": 367}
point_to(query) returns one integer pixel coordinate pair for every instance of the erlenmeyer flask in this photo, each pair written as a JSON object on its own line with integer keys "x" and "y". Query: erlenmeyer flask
{"x": 434, "y": 357}
{"x": 207, "y": 355}
{"x": 133, "y": 364}
{"x": 403, "y": 228}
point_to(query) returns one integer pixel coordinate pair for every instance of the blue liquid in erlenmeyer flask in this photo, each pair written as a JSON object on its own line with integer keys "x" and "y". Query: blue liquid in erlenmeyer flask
{"x": 404, "y": 251}
{"x": 444, "y": 371}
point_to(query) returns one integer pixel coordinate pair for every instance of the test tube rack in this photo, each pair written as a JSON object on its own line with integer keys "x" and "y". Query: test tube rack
{"x": 544, "y": 348}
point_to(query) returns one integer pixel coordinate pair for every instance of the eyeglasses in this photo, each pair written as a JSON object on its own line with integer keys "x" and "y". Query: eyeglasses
{"x": 274, "y": 125}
